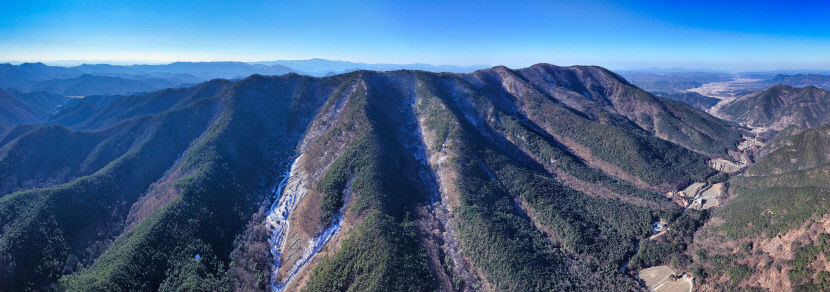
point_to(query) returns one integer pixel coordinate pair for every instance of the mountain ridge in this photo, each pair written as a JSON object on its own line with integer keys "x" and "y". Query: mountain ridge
{"x": 426, "y": 181}
{"x": 780, "y": 106}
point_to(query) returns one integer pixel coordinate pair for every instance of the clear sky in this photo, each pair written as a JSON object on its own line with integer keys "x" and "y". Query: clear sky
{"x": 756, "y": 35}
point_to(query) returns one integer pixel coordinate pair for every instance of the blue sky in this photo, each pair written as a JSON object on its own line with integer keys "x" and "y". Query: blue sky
{"x": 758, "y": 35}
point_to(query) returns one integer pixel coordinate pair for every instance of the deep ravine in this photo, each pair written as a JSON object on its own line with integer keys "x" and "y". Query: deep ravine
{"x": 290, "y": 193}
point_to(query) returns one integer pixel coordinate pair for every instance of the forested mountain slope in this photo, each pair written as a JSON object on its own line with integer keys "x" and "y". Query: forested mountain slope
{"x": 95, "y": 85}
{"x": 802, "y": 80}
{"x": 95, "y": 115}
{"x": 694, "y": 99}
{"x": 773, "y": 234}
{"x": 589, "y": 88}
{"x": 97, "y": 79}
{"x": 544, "y": 178}
{"x": 780, "y": 106}
{"x": 28, "y": 108}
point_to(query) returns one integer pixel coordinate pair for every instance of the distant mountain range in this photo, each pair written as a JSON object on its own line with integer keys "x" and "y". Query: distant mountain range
{"x": 323, "y": 67}
{"x": 99, "y": 79}
{"x": 802, "y": 80}
{"x": 96, "y": 79}
{"x": 184, "y": 70}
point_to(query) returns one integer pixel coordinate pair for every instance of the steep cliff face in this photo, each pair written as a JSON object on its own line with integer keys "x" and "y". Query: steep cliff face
{"x": 543, "y": 178}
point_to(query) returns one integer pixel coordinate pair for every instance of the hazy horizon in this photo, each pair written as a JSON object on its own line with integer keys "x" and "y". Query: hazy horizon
{"x": 618, "y": 34}
{"x": 73, "y": 63}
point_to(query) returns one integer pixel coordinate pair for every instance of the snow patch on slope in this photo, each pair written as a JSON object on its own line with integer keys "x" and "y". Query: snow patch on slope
{"x": 292, "y": 189}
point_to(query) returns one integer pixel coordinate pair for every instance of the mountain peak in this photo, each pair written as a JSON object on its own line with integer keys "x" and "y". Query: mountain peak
{"x": 779, "y": 87}
{"x": 35, "y": 64}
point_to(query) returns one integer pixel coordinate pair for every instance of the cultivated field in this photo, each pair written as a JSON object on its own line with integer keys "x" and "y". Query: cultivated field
{"x": 730, "y": 89}
{"x": 726, "y": 166}
{"x": 710, "y": 196}
{"x": 660, "y": 279}
{"x": 680, "y": 285}
{"x": 655, "y": 276}
{"x": 692, "y": 189}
